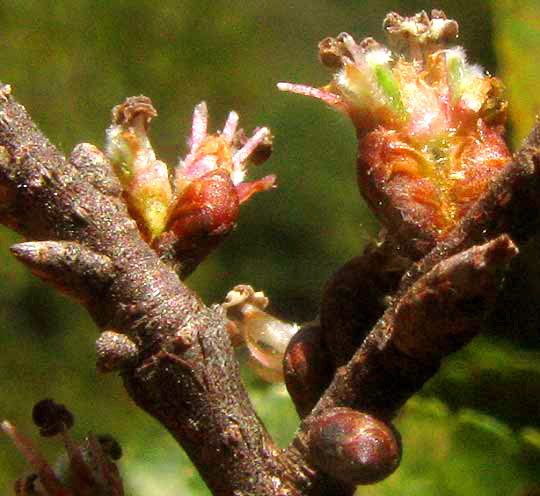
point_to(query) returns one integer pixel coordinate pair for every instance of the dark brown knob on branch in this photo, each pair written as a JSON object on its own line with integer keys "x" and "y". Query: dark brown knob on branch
{"x": 353, "y": 447}
{"x": 306, "y": 368}
{"x": 355, "y": 297}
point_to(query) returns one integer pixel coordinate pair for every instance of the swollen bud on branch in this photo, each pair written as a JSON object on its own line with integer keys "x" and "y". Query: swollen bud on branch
{"x": 307, "y": 367}
{"x": 115, "y": 351}
{"x": 351, "y": 446}
{"x": 429, "y": 124}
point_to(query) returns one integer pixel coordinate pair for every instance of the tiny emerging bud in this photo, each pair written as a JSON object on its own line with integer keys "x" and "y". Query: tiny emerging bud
{"x": 265, "y": 336}
{"x": 353, "y": 447}
{"x": 429, "y": 124}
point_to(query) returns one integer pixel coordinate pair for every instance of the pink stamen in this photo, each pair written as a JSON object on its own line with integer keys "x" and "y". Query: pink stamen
{"x": 199, "y": 127}
{"x": 247, "y": 190}
{"x": 249, "y": 147}
{"x": 199, "y": 131}
{"x": 303, "y": 89}
{"x": 229, "y": 129}
{"x": 45, "y": 473}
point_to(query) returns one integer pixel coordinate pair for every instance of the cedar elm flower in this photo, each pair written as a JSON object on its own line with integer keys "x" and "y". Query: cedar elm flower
{"x": 209, "y": 182}
{"x": 429, "y": 124}
{"x": 185, "y": 212}
{"x": 147, "y": 189}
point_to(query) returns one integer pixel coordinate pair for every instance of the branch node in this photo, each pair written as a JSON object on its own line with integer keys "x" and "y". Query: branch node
{"x": 115, "y": 351}
{"x": 68, "y": 265}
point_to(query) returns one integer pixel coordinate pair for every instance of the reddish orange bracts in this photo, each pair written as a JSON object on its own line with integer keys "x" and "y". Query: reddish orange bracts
{"x": 429, "y": 124}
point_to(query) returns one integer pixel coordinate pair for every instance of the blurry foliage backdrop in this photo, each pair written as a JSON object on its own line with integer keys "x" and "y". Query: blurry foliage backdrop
{"x": 474, "y": 429}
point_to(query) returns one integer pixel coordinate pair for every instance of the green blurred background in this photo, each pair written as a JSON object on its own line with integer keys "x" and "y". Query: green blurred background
{"x": 475, "y": 429}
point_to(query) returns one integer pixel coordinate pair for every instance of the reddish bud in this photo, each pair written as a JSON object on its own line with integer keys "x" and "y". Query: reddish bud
{"x": 209, "y": 187}
{"x": 200, "y": 219}
{"x": 353, "y": 447}
{"x": 306, "y": 368}
{"x": 208, "y": 207}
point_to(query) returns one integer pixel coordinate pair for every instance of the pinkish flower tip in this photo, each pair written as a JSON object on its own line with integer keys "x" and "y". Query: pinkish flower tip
{"x": 199, "y": 126}
{"x": 228, "y": 149}
{"x": 230, "y": 127}
{"x": 242, "y": 156}
{"x": 303, "y": 89}
{"x": 247, "y": 190}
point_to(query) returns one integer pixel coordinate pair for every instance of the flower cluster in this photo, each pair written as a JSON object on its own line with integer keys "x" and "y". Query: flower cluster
{"x": 198, "y": 201}
{"x": 429, "y": 124}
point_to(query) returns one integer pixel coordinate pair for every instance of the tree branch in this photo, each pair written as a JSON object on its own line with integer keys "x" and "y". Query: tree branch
{"x": 175, "y": 355}
{"x": 83, "y": 240}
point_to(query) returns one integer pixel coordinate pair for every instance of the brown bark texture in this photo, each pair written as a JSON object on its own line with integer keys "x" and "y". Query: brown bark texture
{"x": 371, "y": 350}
